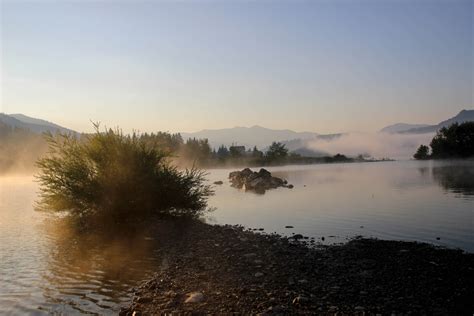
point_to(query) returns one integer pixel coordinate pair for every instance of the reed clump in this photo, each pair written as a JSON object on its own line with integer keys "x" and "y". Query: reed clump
{"x": 117, "y": 176}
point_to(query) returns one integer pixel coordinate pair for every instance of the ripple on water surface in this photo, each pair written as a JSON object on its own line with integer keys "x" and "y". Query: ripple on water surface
{"x": 47, "y": 267}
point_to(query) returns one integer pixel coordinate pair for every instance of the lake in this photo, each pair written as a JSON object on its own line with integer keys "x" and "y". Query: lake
{"x": 47, "y": 268}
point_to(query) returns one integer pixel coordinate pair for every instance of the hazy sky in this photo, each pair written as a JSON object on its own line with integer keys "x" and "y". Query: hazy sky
{"x": 323, "y": 66}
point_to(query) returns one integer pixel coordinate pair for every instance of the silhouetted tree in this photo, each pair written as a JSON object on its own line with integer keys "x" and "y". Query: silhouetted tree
{"x": 236, "y": 151}
{"x": 422, "y": 153}
{"x": 197, "y": 150}
{"x": 256, "y": 153}
{"x": 222, "y": 152}
{"x": 170, "y": 143}
{"x": 277, "y": 151}
{"x": 455, "y": 141}
{"x": 340, "y": 157}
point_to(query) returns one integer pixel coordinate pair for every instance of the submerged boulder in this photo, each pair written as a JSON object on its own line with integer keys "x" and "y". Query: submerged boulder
{"x": 255, "y": 181}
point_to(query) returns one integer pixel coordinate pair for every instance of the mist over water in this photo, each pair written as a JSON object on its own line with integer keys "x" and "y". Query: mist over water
{"x": 48, "y": 266}
{"x": 378, "y": 145}
{"x": 406, "y": 200}
{"x": 19, "y": 154}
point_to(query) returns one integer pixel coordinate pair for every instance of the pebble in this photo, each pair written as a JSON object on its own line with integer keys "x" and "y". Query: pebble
{"x": 194, "y": 297}
{"x": 144, "y": 299}
{"x": 300, "y": 300}
{"x": 294, "y": 275}
{"x": 333, "y": 309}
{"x": 250, "y": 255}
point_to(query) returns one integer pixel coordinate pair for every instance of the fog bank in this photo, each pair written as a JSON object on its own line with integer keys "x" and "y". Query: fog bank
{"x": 378, "y": 145}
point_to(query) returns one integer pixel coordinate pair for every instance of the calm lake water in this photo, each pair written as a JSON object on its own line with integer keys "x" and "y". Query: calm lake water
{"x": 47, "y": 268}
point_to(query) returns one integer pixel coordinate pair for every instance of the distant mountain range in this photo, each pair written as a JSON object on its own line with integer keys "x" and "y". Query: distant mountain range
{"x": 304, "y": 143}
{"x": 32, "y": 124}
{"x": 403, "y": 128}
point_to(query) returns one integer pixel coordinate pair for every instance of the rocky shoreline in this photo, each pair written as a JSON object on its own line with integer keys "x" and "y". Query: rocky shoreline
{"x": 211, "y": 269}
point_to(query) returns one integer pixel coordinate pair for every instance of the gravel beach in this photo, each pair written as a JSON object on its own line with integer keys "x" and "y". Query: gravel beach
{"x": 212, "y": 269}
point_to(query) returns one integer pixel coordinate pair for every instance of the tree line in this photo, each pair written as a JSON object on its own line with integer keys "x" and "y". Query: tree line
{"x": 200, "y": 152}
{"x": 455, "y": 141}
{"x": 23, "y": 147}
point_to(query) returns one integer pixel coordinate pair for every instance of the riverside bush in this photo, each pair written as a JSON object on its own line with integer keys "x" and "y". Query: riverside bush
{"x": 117, "y": 176}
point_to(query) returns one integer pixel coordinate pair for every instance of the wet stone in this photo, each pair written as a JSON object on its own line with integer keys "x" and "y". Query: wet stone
{"x": 194, "y": 297}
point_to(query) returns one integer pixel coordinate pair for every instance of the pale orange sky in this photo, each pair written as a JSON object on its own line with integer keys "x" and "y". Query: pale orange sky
{"x": 316, "y": 66}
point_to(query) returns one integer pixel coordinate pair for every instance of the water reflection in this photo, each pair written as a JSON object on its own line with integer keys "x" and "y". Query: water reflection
{"x": 456, "y": 179}
{"x": 48, "y": 265}
{"x": 424, "y": 171}
{"x": 389, "y": 200}
{"x": 94, "y": 271}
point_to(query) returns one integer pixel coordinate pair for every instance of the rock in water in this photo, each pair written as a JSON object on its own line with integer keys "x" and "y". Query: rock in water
{"x": 194, "y": 297}
{"x": 264, "y": 173}
{"x": 258, "y": 182}
{"x": 297, "y": 236}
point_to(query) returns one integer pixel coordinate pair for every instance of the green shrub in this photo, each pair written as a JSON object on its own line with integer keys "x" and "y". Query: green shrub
{"x": 117, "y": 176}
